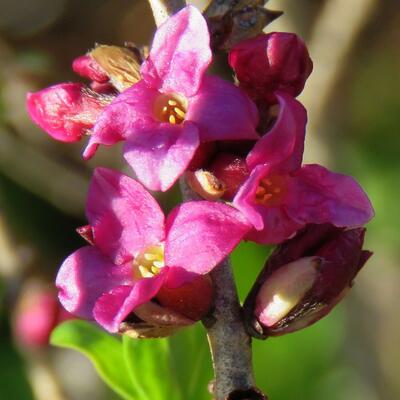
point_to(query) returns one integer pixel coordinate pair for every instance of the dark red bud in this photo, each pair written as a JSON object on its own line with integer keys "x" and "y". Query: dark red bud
{"x": 304, "y": 278}
{"x": 192, "y": 300}
{"x": 270, "y": 62}
{"x": 202, "y": 155}
{"x": 231, "y": 171}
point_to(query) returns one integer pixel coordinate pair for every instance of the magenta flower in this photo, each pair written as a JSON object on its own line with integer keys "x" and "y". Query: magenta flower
{"x": 281, "y": 196}
{"x": 65, "y": 111}
{"x": 165, "y": 116}
{"x": 136, "y": 251}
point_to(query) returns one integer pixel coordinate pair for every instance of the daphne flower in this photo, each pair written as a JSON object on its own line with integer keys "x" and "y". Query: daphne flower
{"x": 136, "y": 252}
{"x": 164, "y": 117}
{"x": 280, "y": 196}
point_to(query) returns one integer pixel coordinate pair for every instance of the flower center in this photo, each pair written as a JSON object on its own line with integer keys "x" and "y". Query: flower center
{"x": 148, "y": 262}
{"x": 271, "y": 190}
{"x": 171, "y": 108}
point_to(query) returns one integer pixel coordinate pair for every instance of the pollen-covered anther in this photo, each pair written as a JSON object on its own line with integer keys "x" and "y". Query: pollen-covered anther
{"x": 171, "y": 108}
{"x": 270, "y": 190}
{"x": 148, "y": 262}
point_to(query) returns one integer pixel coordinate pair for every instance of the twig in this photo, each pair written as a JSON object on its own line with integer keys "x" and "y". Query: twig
{"x": 162, "y": 9}
{"x": 229, "y": 343}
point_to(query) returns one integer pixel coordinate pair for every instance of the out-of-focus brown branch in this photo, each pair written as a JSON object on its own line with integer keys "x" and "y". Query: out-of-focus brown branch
{"x": 37, "y": 172}
{"x": 162, "y": 9}
{"x": 333, "y": 36}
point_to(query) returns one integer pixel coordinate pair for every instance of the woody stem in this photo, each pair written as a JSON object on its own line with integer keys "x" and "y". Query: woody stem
{"x": 230, "y": 345}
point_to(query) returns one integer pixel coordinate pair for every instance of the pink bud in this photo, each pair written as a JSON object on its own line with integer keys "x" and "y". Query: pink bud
{"x": 266, "y": 63}
{"x": 65, "y": 111}
{"x": 36, "y": 315}
{"x": 304, "y": 279}
{"x": 87, "y": 67}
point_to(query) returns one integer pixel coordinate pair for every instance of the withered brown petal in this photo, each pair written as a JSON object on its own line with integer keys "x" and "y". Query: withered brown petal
{"x": 120, "y": 64}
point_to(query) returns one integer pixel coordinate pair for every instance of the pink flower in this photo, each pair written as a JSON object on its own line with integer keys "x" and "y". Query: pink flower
{"x": 280, "y": 196}
{"x": 137, "y": 252}
{"x": 164, "y": 117}
{"x": 266, "y": 63}
{"x": 65, "y": 111}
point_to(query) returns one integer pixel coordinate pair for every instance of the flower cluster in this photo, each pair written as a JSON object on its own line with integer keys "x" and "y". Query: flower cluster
{"x": 239, "y": 146}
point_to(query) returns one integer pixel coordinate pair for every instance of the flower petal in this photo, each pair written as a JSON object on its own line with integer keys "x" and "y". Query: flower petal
{"x": 222, "y": 111}
{"x": 113, "y": 307}
{"x": 159, "y": 157}
{"x": 245, "y": 197}
{"x": 125, "y": 218}
{"x": 84, "y": 276}
{"x": 323, "y": 196}
{"x": 272, "y": 224}
{"x": 64, "y": 111}
{"x": 278, "y": 226}
{"x": 200, "y": 234}
{"x": 282, "y": 147}
{"x": 180, "y": 54}
{"x": 129, "y": 113}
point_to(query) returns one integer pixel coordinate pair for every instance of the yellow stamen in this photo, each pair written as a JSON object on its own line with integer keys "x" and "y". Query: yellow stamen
{"x": 171, "y": 108}
{"x": 148, "y": 262}
{"x": 179, "y": 112}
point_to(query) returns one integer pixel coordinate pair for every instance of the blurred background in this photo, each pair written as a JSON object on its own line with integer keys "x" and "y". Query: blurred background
{"x": 353, "y": 103}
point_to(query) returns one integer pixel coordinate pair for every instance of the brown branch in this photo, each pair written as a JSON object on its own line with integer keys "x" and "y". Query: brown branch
{"x": 229, "y": 343}
{"x": 162, "y": 9}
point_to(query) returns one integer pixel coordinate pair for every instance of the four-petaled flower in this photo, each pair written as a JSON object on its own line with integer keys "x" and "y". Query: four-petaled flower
{"x": 280, "y": 196}
{"x": 136, "y": 251}
{"x": 165, "y": 116}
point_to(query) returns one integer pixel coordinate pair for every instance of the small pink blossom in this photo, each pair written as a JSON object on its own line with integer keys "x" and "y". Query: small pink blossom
{"x": 270, "y": 62}
{"x": 136, "y": 251}
{"x": 280, "y": 196}
{"x": 65, "y": 111}
{"x": 164, "y": 117}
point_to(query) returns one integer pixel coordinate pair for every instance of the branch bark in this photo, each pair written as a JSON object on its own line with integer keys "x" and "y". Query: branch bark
{"x": 229, "y": 343}
{"x": 162, "y": 9}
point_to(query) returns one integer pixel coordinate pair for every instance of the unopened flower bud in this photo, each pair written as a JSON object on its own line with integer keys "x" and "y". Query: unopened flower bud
{"x": 171, "y": 310}
{"x": 270, "y": 62}
{"x": 231, "y": 171}
{"x": 304, "y": 278}
{"x": 65, "y": 111}
{"x": 36, "y": 314}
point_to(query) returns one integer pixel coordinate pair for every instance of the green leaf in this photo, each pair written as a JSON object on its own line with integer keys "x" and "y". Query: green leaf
{"x": 192, "y": 362}
{"x": 105, "y": 352}
{"x": 148, "y": 361}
